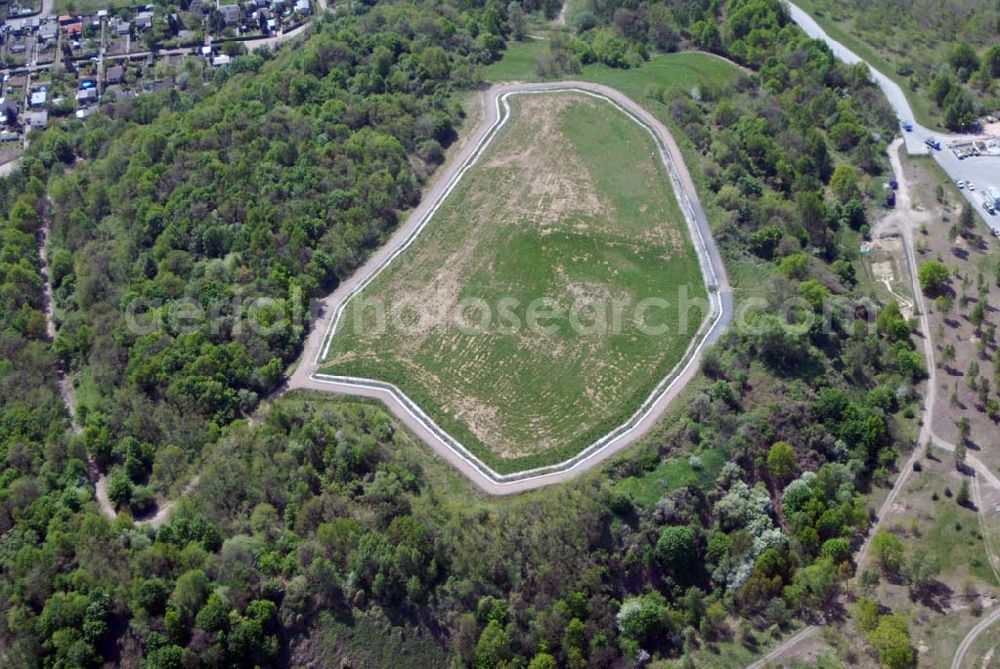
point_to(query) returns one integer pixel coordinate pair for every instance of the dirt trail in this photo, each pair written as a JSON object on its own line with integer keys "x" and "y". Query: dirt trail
{"x": 971, "y": 637}
{"x": 905, "y": 218}
{"x": 991, "y": 556}
{"x": 65, "y": 384}
{"x": 560, "y": 19}
{"x": 783, "y": 651}
{"x": 927, "y": 432}
{"x": 66, "y": 390}
{"x": 163, "y": 511}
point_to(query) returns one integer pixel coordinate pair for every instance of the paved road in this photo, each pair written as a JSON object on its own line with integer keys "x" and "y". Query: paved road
{"x": 306, "y": 376}
{"x": 977, "y": 168}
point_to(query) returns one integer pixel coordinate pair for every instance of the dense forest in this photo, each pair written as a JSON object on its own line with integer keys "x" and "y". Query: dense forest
{"x": 244, "y": 203}
{"x": 274, "y": 178}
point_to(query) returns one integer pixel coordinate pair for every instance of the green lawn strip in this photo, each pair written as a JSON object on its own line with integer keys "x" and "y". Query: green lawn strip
{"x": 700, "y": 469}
{"x": 679, "y": 71}
{"x": 89, "y": 6}
{"x": 370, "y": 640}
{"x": 518, "y": 62}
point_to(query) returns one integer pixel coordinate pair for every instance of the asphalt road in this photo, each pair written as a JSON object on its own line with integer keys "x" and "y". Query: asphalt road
{"x": 306, "y": 375}
{"x": 983, "y": 170}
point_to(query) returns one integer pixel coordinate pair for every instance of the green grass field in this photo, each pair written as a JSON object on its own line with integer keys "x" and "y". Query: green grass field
{"x": 681, "y": 70}
{"x": 518, "y": 62}
{"x": 669, "y": 475}
{"x": 586, "y": 217}
{"x": 90, "y": 6}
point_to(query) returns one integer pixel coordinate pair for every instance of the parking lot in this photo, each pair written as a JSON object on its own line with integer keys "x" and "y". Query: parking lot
{"x": 982, "y": 171}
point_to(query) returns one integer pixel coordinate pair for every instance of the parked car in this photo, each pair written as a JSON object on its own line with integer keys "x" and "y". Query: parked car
{"x": 961, "y": 184}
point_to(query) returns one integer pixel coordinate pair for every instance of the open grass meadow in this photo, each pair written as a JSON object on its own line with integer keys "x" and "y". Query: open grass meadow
{"x": 673, "y": 70}
{"x": 569, "y": 203}
{"x": 91, "y": 6}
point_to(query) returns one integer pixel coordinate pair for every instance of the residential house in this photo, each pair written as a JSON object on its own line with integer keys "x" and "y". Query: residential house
{"x": 37, "y": 119}
{"x": 268, "y": 23}
{"x": 8, "y": 109}
{"x": 303, "y": 7}
{"x": 86, "y": 96}
{"x": 37, "y": 98}
{"x": 230, "y": 14}
{"x": 158, "y": 85}
{"x": 48, "y": 31}
{"x": 120, "y": 27}
{"x": 144, "y": 20}
{"x": 14, "y": 26}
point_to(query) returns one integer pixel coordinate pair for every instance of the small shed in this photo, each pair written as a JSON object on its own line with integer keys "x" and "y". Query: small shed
{"x": 38, "y": 119}
{"x": 114, "y": 74}
{"x": 230, "y": 14}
